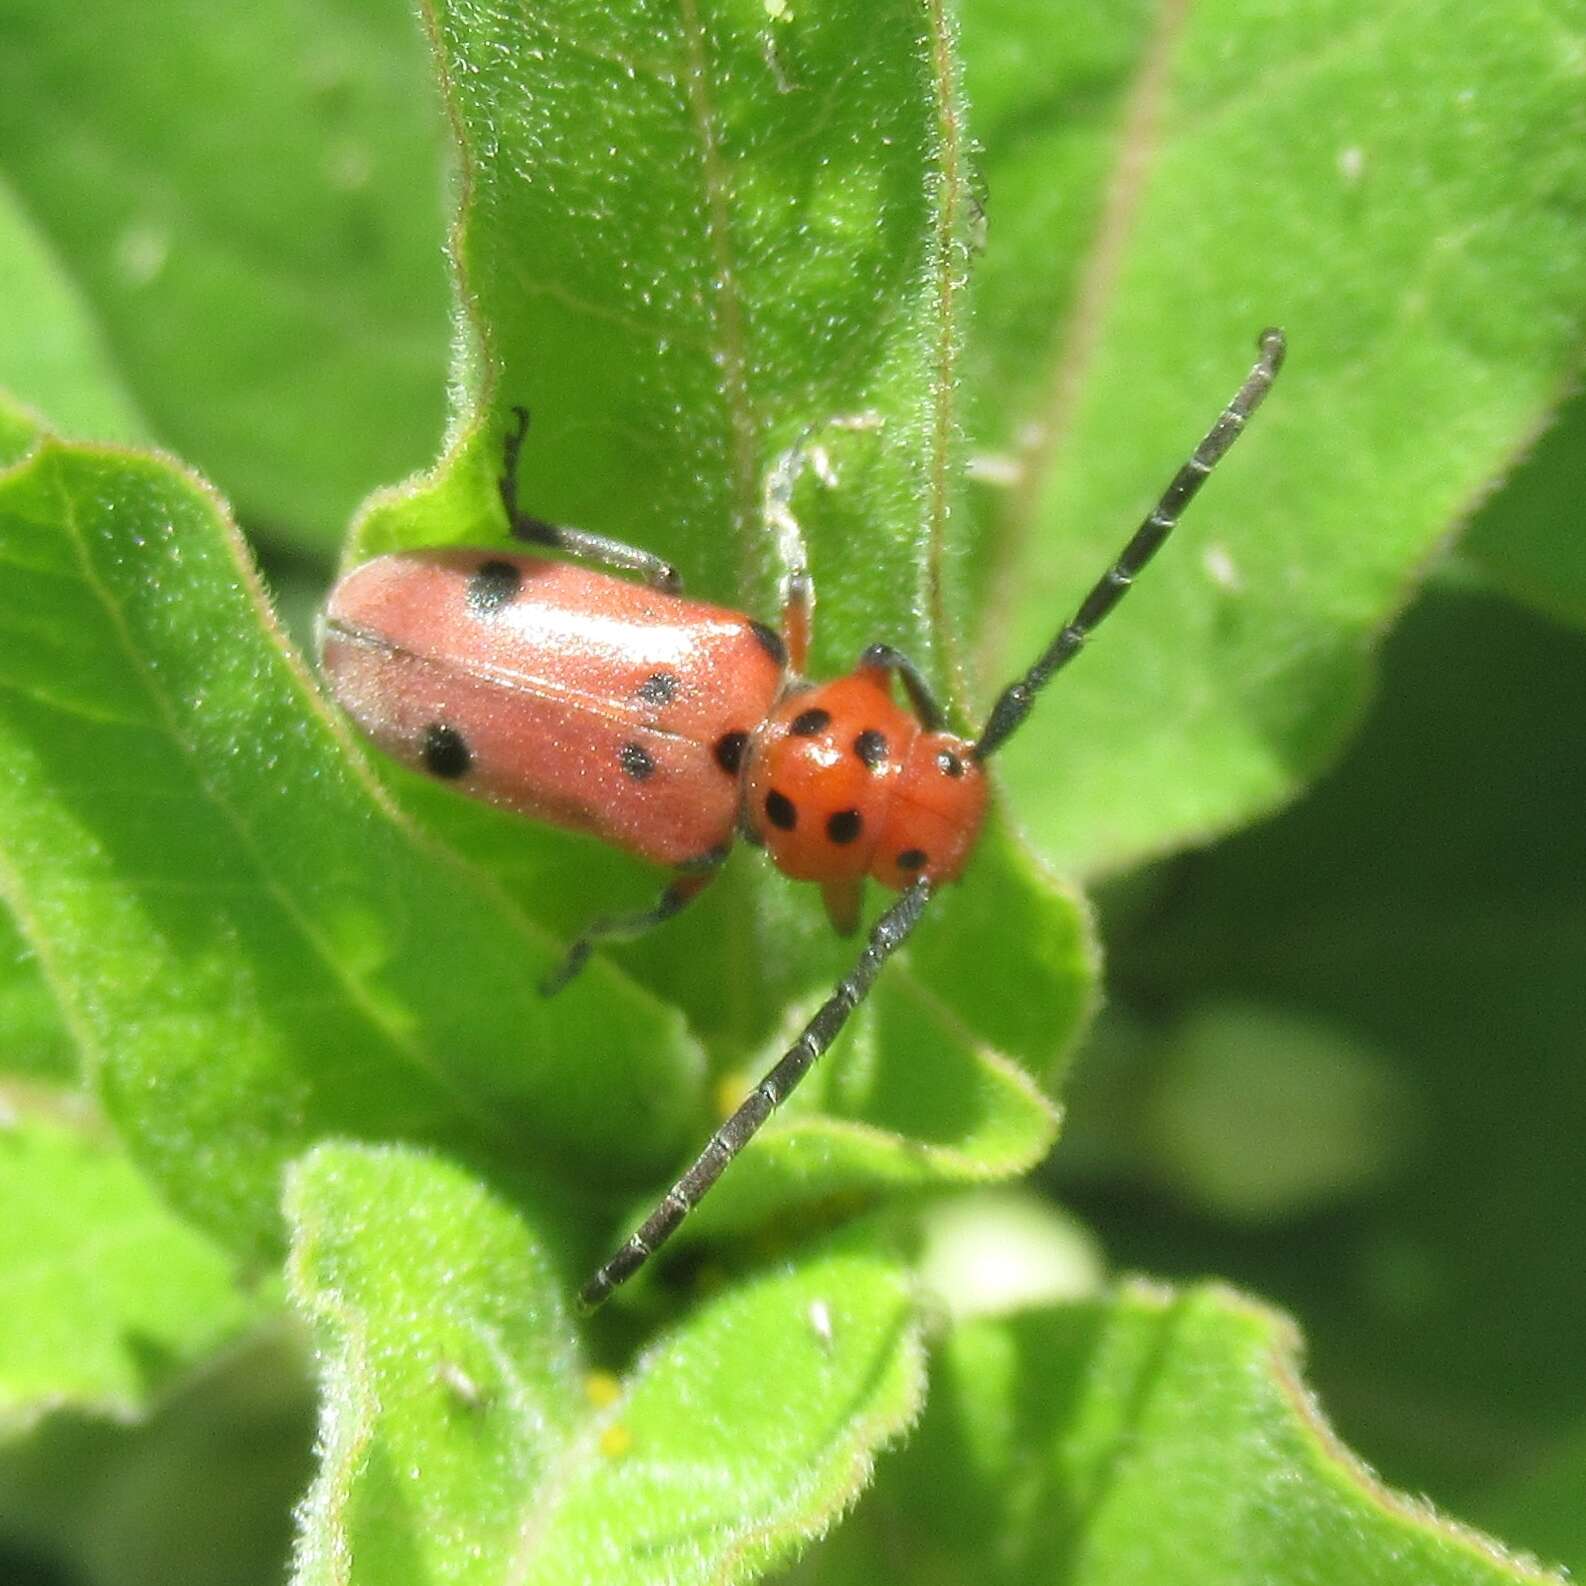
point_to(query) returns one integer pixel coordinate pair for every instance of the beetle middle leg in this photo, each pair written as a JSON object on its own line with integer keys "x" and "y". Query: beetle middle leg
{"x": 675, "y": 897}
{"x": 580, "y": 544}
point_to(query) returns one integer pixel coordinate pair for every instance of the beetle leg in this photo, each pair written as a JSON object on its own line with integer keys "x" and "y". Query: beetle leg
{"x": 888, "y": 935}
{"x": 883, "y": 658}
{"x": 843, "y": 899}
{"x": 798, "y": 601}
{"x": 678, "y": 894}
{"x": 580, "y": 544}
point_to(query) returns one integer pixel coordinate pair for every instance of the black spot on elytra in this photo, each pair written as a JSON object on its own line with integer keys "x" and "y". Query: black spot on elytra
{"x": 809, "y": 722}
{"x": 844, "y": 826}
{"x": 659, "y": 688}
{"x": 729, "y": 750}
{"x": 446, "y": 752}
{"x": 781, "y": 811}
{"x": 911, "y": 859}
{"x": 871, "y": 747}
{"x": 494, "y": 585}
{"x": 635, "y": 759}
{"x": 951, "y": 766}
{"x": 770, "y": 642}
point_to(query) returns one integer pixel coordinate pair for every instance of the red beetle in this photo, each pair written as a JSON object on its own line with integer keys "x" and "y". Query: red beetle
{"x": 667, "y": 726}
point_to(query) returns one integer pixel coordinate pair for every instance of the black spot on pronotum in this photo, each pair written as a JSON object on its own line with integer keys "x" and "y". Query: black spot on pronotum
{"x": 871, "y": 747}
{"x": 635, "y": 759}
{"x": 809, "y": 722}
{"x": 911, "y": 859}
{"x": 844, "y": 826}
{"x": 951, "y": 766}
{"x": 446, "y": 753}
{"x": 729, "y": 750}
{"x": 659, "y": 688}
{"x": 770, "y": 642}
{"x": 781, "y": 811}
{"x": 494, "y": 585}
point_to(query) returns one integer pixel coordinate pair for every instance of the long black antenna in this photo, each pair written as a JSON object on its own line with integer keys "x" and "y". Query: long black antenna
{"x": 1014, "y": 703}
{"x": 887, "y": 935}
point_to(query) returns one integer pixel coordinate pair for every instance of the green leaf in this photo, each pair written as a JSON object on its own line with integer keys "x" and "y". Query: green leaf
{"x": 1147, "y": 1437}
{"x": 1402, "y": 190}
{"x": 778, "y": 249}
{"x": 458, "y": 1446}
{"x": 911, "y": 1103}
{"x": 52, "y": 354}
{"x": 1012, "y": 912}
{"x": 256, "y": 947}
{"x": 686, "y": 236}
{"x": 449, "y": 1375}
{"x": 198, "y": 1492}
{"x": 1526, "y": 541}
{"x": 20, "y": 428}
{"x": 1049, "y": 91}
{"x": 33, "y": 1040}
{"x": 1425, "y": 901}
{"x": 1542, "y": 1509}
{"x": 103, "y": 1293}
{"x": 251, "y": 211}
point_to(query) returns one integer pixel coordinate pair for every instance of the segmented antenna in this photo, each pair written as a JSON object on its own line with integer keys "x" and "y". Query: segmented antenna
{"x": 1014, "y": 703}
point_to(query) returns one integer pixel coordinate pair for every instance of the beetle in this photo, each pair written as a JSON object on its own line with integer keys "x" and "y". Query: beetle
{"x": 667, "y": 726}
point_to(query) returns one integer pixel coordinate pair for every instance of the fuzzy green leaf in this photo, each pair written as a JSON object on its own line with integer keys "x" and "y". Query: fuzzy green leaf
{"x": 775, "y": 241}
{"x": 1147, "y": 1439}
{"x": 686, "y": 234}
{"x": 1403, "y": 190}
{"x": 255, "y": 945}
{"x": 909, "y": 1102}
{"x": 450, "y": 1384}
{"x": 459, "y": 1446}
{"x": 250, "y": 206}
{"x": 102, "y": 1291}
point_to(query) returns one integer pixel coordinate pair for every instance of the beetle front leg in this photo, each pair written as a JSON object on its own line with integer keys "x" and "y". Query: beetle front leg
{"x": 883, "y": 658}
{"x": 798, "y": 591}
